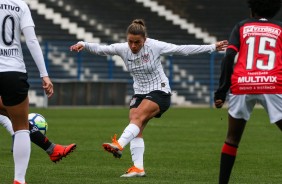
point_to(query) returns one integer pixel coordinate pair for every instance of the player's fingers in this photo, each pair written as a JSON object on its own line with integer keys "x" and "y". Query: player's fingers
{"x": 77, "y": 47}
{"x": 49, "y": 93}
{"x": 218, "y": 103}
{"x": 221, "y": 45}
{"x": 73, "y": 48}
{"x": 48, "y": 86}
{"x": 224, "y": 42}
{"x": 49, "y": 90}
{"x": 80, "y": 48}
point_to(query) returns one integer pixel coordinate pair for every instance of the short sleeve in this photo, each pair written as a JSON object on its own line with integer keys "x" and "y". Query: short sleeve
{"x": 26, "y": 19}
{"x": 234, "y": 39}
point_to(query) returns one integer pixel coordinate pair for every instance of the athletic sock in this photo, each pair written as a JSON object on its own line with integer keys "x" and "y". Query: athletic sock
{"x": 38, "y": 138}
{"x": 129, "y": 133}
{"x": 228, "y": 155}
{"x": 137, "y": 148}
{"x": 6, "y": 123}
{"x": 21, "y": 154}
{"x": 50, "y": 150}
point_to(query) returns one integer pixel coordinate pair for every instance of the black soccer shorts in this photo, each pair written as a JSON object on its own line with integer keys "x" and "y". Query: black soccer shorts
{"x": 13, "y": 87}
{"x": 159, "y": 97}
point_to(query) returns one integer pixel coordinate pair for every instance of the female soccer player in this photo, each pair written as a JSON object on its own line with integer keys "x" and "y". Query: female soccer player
{"x": 15, "y": 18}
{"x": 255, "y": 78}
{"x": 152, "y": 92}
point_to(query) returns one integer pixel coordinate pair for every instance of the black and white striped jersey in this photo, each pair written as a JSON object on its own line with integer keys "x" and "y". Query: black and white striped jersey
{"x": 145, "y": 66}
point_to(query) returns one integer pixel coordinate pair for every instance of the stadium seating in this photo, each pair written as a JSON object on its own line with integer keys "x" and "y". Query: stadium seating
{"x": 216, "y": 17}
{"x": 108, "y": 20}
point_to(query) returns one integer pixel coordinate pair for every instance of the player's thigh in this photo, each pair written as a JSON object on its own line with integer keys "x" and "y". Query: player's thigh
{"x": 153, "y": 104}
{"x": 3, "y": 110}
{"x": 14, "y": 95}
{"x": 241, "y": 106}
{"x": 161, "y": 98}
{"x": 272, "y": 104}
{"x": 146, "y": 110}
{"x": 19, "y": 115}
{"x": 235, "y": 130}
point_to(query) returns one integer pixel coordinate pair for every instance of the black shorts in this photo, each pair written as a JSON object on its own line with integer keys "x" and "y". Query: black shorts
{"x": 159, "y": 97}
{"x": 13, "y": 87}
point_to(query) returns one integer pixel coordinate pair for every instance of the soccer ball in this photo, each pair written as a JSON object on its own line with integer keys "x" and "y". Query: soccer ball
{"x": 39, "y": 121}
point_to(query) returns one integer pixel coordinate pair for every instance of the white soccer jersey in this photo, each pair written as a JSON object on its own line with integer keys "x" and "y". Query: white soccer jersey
{"x": 145, "y": 66}
{"x": 14, "y": 16}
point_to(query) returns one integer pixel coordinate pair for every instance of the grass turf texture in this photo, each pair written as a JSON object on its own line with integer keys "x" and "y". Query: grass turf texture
{"x": 181, "y": 147}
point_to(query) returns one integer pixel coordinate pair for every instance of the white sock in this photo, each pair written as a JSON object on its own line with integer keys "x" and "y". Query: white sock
{"x": 6, "y": 123}
{"x": 129, "y": 133}
{"x": 137, "y": 148}
{"x": 21, "y": 153}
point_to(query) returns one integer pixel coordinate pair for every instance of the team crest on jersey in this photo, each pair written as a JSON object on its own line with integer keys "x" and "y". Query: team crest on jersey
{"x": 145, "y": 58}
{"x": 132, "y": 101}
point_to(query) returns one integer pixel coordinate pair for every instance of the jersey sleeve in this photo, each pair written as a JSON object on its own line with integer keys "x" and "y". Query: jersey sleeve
{"x": 185, "y": 50}
{"x": 225, "y": 75}
{"x": 104, "y": 50}
{"x": 26, "y": 19}
{"x": 35, "y": 50}
{"x": 234, "y": 39}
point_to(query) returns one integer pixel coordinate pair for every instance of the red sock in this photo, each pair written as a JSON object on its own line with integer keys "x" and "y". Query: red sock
{"x": 228, "y": 155}
{"x": 229, "y": 149}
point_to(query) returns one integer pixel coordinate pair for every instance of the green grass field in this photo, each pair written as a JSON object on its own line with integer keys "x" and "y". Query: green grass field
{"x": 181, "y": 147}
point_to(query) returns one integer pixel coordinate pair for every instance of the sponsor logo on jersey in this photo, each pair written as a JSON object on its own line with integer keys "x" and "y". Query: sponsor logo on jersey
{"x": 257, "y": 79}
{"x": 259, "y": 30}
{"x": 9, "y": 7}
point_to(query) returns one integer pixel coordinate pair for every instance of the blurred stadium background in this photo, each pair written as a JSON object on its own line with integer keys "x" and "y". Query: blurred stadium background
{"x": 188, "y": 141}
{"x": 88, "y": 80}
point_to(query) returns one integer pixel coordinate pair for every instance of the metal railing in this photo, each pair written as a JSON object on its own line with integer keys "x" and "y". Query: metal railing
{"x": 83, "y": 66}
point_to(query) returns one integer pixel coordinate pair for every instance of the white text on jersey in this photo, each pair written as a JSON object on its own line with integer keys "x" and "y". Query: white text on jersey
{"x": 257, "y": 79}
{"x": 9, "y": 7}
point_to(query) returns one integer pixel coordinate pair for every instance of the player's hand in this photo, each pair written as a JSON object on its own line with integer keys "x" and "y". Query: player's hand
{"x": 221, "y": 45}
{"x": 77, "y": 47}
{"x": 219, "y": 98}
{"x": 47, "y": 86}
{"x": 218, "y": 103}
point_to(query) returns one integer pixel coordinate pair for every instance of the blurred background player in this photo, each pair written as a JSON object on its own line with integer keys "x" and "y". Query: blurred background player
{"x": 256, "y": 77}
{"x": 15, "y": 18}
{"x": 55, "y": 151}
{"x": 152, "y": 93}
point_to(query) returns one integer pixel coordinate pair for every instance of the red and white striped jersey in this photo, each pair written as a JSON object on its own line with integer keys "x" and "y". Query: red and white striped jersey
{"x": 145, "y": 66}
{"x": 258, "y": 69}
